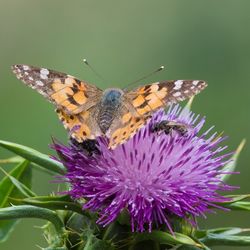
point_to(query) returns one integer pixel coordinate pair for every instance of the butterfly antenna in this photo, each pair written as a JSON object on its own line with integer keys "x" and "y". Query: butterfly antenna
{"x": 146, "y": 76}
{"x": 93, "y": 70}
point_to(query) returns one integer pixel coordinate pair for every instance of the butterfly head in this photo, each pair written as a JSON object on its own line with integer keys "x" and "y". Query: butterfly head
{"x": 112, "y": 97}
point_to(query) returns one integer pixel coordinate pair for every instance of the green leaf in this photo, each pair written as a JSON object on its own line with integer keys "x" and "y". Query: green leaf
{"x": 236, "y": 197}
{"x": 226, "y": 240}
{"x": 227, "y": 236}
{"x": 222, "y": 230}
{"x": 237, "y": 202}
{"x": 18, "y": 159}
{"x": 230, "y": 167}
{"x": 166, "y": 238}
{"x": 239, "y": 205}
{"x": 228, "y": 230}
{"x": 19, "y": 185}
{"x": 34, "y": 156}
{"x": 21, "y": 172}
{"x": 14, "y": 159}
{"x": 42, "y": 169}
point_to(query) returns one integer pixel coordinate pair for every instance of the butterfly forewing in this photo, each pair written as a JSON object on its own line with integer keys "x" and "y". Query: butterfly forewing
{"x": 65, "y": 91}
{"x": 149, "y": 98}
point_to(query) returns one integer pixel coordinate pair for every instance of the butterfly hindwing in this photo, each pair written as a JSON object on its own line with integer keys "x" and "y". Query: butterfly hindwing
{"x": 151, "y": 97}
{"x": 65, "y": 91}
{"x": 82, "y": 126}
{"x": 125, "y": 126}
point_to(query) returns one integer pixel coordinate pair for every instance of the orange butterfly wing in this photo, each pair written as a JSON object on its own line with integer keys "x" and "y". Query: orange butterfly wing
{"x": 149, "y": 98}
{"x": 125, "y": 126}
{"x": 75, "y": 100}
{"x": 82, "y": 126}
{"x": 140, "y": 104}
{"x": 65, "y": 91}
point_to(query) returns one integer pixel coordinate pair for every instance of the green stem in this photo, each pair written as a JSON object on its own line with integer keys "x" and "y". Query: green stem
{"x": 26, "y": 211}
{"x": 51, "y": 204}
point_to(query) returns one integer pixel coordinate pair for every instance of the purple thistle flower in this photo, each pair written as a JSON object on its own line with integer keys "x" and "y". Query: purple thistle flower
{"x": 153, "y": 175}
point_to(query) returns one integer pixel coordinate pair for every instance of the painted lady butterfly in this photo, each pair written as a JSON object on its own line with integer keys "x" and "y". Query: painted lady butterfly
{"x": 88, "y": 112}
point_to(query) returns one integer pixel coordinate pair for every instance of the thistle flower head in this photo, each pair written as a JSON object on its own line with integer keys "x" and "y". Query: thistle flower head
{"x": 154, "y": 175}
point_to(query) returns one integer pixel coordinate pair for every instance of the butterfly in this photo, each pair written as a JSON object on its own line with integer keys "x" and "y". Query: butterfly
{"x": 88, "y": 112}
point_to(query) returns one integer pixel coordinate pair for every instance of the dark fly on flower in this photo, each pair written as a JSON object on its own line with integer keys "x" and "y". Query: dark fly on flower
{"x": 168, "y": 127}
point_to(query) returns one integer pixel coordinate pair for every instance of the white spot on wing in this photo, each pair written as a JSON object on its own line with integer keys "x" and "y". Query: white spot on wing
{"x": 195, "y": 83}
{"x": 40, "y": 91}
{"x": 31, "y": 78}
{"x": 176, "y": 94}
{"x": 39, "y": 83}
{"x": 25, "y": 67}
{"x": 44, "y": 73}
{"x": 178, "y": 84}
{"x": 43, "y": 76}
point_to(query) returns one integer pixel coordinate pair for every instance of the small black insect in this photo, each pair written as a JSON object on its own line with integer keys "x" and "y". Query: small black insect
{"x": 169, "y": 126}
{"x": 89, "y": 147}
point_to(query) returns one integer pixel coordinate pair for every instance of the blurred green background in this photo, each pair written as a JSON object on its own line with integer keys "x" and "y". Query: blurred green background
{"x": 194, "y": 39}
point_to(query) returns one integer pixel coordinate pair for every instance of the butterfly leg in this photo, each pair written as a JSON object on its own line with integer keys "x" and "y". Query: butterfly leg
{"x": 88, "y": 146}
{"x": 169, "y": 126}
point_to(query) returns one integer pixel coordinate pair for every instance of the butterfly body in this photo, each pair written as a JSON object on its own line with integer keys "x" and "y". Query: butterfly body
{"x": 109, "y": 106}
{"x": 88, "y": 112}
